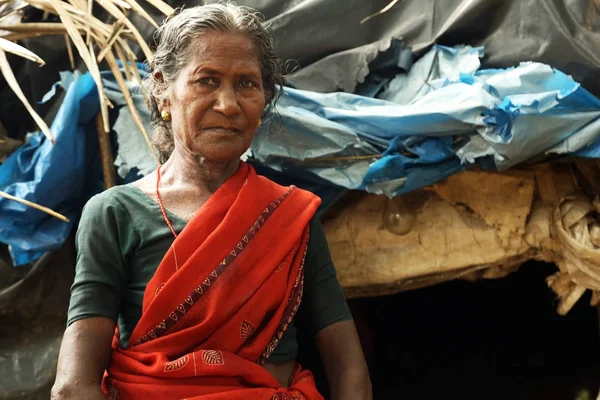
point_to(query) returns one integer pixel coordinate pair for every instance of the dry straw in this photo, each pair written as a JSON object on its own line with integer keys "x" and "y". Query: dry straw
{"x": 94, "y": 40}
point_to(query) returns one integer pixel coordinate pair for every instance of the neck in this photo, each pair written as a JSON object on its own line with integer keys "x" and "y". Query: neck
{"x": 183, "y": 168}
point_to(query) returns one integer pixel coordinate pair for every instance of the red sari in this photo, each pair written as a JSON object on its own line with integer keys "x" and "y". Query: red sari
{"x": 221, "y": 300}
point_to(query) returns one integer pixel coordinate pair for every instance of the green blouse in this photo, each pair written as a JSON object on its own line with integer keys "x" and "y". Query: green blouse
{"x": 121, "y": 239}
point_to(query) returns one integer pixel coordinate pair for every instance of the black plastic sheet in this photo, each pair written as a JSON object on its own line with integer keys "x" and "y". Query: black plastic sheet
{"x": 33, "y": 308}
{"x": 562, "y": 33}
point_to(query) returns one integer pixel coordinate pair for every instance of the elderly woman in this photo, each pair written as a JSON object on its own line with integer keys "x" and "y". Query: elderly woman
{"x": 207, "y": 268}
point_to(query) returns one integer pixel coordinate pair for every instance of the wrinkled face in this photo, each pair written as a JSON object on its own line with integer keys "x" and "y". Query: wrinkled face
{"x": 217, "y": 100}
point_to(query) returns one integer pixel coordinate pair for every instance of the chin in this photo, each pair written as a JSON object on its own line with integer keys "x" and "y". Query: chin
{"x": 222, "y": 154}
{"x": 221, "y": 149}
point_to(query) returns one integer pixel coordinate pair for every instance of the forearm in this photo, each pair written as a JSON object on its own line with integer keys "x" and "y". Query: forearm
{"x": 84, "y": 354}
{"x": 351, "y": 384}
{"x": 344, "y": 362}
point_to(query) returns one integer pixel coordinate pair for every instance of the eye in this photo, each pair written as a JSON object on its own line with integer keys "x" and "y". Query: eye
{"x": 207, "y": 81}
{"x": 245, "y": 83}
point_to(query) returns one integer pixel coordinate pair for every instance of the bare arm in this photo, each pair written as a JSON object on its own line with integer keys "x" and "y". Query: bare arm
{"x": 344, "y": 362}
{"x": 84, "y": 355}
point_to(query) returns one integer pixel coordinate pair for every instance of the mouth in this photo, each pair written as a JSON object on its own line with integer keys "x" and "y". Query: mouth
{"x": 223, "y": 130}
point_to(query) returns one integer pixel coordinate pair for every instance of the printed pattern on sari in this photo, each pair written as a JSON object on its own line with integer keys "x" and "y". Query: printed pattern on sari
{"x": 212, "y": 357}
{"x": 285, "y": 396}
{"x": 293, "y": 303}
{"x": 246, "y": 330}
{"x": 177, "y": 364}
{"x": 199, "y": 291}
{"x": 203, "y": 339}
{"x": 113, "y": 394}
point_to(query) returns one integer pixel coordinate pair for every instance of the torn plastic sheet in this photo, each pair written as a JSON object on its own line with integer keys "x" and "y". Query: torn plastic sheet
{"x": 301, "y": 139}
{"x": 387, "y": 65}
{"x": 452, "y": 110}
{"x": 441, "y": 62}
{"x": 52, "y": 176}
{"x": 341, "y": 125}
{"x": 407, "y": 166}
{"x": 134, "y": 158}
{"x": 508, "y": 116}
{"x": 61, "y": 177}
{"x": 542, "y": 111}
{"x": 562, "y": 34}
{"x": 345, "y": 70}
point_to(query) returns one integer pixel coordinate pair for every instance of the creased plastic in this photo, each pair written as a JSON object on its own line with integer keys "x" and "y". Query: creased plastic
{"x": 61, "y": 177}
{"x": 453, "y": 116}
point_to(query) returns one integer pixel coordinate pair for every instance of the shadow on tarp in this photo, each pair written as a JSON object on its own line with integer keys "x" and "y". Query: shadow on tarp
{"x": 33, "y": 312}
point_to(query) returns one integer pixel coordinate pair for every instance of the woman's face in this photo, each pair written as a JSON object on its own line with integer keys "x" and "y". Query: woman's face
{"x": 218, "y": 99}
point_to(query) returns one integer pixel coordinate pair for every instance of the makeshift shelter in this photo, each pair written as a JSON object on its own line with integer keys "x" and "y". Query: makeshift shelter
{"x": 440, "y": 205}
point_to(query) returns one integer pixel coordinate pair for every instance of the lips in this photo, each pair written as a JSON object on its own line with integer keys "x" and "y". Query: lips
{"x": 223, "y": 129}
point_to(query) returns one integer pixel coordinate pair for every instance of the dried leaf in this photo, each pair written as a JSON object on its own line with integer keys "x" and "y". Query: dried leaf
{"x": 118, "y": 27}
{"x": 75, "y": 3}
{"x": 34, "y": 205}
{"x": 128, "y": 52}
{"x": 90, "y": 8}
{"x": 138, "y": 9}
{"x": 115, "y": 12}
{"x": 162, "y": 7}
{"x": 19, "y": 50}
{"x": 48, "y": 5}
{"x": 37, "y": 27}
{"x": 72, "y": 30}
{"x": 122, "y": 4}
{"x": 124, "y": 61}
{"x": 112, "y": 63}
{"x": 14, "y": 85}
{"x": 134, "y": 71}
{"x": 13, "y": 37}
{"x": 70, "y": 51}
{"x": 384, "y": 10}
{"x": 104, "y": 102}
{"x": 7, "y": 11}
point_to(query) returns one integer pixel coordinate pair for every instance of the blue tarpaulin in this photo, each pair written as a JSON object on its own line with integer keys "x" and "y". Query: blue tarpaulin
{"x": 62, "y": 177}
{"x": 52, "y": 176}
{"x": 438, "y": 118}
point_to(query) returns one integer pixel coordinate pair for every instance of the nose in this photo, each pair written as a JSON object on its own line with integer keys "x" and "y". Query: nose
{"x": 226, "y": 101}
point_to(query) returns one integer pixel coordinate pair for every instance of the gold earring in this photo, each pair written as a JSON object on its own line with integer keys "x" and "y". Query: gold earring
{"x": 165, "y": 115}
{"x": 259, "y": 122}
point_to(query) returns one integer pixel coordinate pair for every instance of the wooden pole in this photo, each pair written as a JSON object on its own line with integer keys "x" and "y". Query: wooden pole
{"x": 108, "y": 169}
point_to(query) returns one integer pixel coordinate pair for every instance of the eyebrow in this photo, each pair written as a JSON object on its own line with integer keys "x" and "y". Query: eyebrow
{"x": 247, "y": 74}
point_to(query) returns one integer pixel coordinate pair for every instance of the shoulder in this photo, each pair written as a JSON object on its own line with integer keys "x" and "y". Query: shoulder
{"x": 107, "y": 217}
{"x": 110, "y": 201}
{"x": 317, "y": 252}
{"x": 317, "y": 234}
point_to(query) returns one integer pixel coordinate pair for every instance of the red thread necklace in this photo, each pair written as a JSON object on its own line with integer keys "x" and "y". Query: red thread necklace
{"x": 160, "y": 203}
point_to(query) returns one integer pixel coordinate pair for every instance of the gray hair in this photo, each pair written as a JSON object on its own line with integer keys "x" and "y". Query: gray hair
{"x": 172, "y": 43}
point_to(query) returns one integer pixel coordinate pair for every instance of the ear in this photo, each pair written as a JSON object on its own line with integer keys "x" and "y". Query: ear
{"x": 165, "y": 104}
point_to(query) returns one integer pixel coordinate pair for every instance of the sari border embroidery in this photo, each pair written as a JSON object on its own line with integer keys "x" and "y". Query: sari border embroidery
{"x": 113, "y": 393}
{"x": 290, "y": 310}
{"x": 190, "y": 300}
{"x": 285, "y": 396}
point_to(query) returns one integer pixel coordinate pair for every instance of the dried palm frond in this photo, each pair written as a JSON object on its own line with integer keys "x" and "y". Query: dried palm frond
{"x": 94, "y": 40}
{"x": 34, "y": 205}
{"x": 14, "y": 48}
{"x": 382, "y": 11}
{"x": 14, "y": 85}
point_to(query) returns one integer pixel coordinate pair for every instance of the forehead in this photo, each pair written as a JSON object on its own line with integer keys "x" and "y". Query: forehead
{"x": 223, "y": 51}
